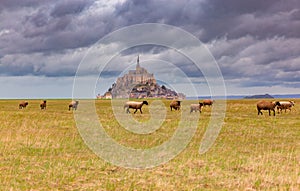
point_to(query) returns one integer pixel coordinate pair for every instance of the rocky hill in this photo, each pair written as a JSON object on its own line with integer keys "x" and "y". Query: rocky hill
{"x": 265, "y": 96}
{"x": 139, "y": 83}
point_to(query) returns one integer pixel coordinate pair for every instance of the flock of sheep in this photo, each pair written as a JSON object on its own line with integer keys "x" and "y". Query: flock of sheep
{"x": 43, "y": 104}
{"x": 176, "y": 104}
{"x": 270, "y": 106}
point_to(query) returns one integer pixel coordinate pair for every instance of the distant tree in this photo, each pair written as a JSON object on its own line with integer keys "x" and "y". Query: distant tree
{"x": 163, "y": 87}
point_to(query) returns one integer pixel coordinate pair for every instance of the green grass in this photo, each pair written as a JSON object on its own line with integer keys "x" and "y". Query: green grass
{"x": 42, "y": 150}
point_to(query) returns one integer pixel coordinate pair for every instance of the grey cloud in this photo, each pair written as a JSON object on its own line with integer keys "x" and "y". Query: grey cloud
{"x": 48, "y": 27}
{"x": 16, "y": 4}
{"x": 38, "y": 64}
{"x": 246, "y": 37}
{"x": 148, "y": 48}
{"x": 258, "y": 62}
{"x": 72, "y": 7}
{"x": 216, "y": 18}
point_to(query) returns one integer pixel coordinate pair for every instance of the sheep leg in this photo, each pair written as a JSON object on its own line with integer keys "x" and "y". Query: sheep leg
{"x": 273, "y": 112}
{"x": 135, "y": 110}
{"x": 141, "y": 110}
{"x": 259, "y": 112}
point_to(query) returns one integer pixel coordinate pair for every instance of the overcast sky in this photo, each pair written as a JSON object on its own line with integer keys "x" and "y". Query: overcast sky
{"x": 255, "y": 43}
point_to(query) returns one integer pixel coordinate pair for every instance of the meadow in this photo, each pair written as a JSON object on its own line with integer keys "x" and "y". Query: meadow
{"x": 43, "y": 150}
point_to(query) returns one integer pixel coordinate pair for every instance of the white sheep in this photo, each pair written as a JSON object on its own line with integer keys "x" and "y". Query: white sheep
{"x": 285, "y": 105}
{"x": 196, "y": 107}
{"x": 134, "y": 105}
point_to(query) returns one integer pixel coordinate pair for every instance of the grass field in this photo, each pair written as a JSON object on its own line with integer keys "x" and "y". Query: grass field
{"x": 42, "y": 150}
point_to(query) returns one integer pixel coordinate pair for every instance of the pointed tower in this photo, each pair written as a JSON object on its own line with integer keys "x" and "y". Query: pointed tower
{"x": 138, "y": 63}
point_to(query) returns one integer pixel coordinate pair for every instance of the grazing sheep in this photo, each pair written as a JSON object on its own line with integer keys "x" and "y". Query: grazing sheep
{"x": 196, "y": 107}
{"x": 134, "y": 105}
{"x": 208, "y": 102}
{"x": 266, "y": 105}
{"x": 43, "y": 104}
{"x": 73, "y": 105}
{"x": 285, "y": 105}
{"x": 175, "y": 104}
{"x": 23, "y": 104}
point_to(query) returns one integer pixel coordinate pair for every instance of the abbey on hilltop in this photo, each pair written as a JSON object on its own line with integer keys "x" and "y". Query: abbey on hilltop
{"x": 139, "y": 83}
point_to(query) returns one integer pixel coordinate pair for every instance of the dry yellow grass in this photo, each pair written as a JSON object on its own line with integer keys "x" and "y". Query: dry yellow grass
{"x": 42, "y": 150}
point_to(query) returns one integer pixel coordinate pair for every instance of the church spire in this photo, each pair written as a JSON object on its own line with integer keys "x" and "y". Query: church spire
{"x": 138, "y": 62}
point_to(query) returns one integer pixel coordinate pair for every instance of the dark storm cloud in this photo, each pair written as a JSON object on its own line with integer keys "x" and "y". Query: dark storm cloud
{"x": 246, "y": 37}
{"x": 46, "y": 26}
{"x": 39, "y": 64}
{"x": 216, "y": 18}
{"x": 148, "y": 48}
{"x": 258, "y": 62}
{"x": 74, "y": 7}
{"x": 16, "y": 4}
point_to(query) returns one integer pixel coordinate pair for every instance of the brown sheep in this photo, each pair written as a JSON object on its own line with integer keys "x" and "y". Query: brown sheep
{"x": 266, "y": 105}
{"x": 208, "y": 102}
{"x": 134, "y": 105}
{"x": 23, "y": 104}
{"x": 285, "y": 105}
{"x": 196, "y": 107}
{"x": 73, "y": 105}
{"x": 175, "y": 104}
{"x": 43, "y": 104}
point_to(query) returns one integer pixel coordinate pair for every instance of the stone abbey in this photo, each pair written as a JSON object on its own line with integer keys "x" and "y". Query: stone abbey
{"x": 139, "y": 83}
{"x": 138, "y": 76}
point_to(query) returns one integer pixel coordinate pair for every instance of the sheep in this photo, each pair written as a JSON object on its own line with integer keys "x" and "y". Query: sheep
{"x": 134, "y": 105}
{"x": 23, "y": 104}
{"x": 196, "y": 107}
{"x": 208, "y": 102}
{"x": 43, "y": 104}
{"x": 175, "y": 104}
{"x": 266, "y": 105}
{"x": 285, "y": 105}
{"x": 73, "y": 105}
